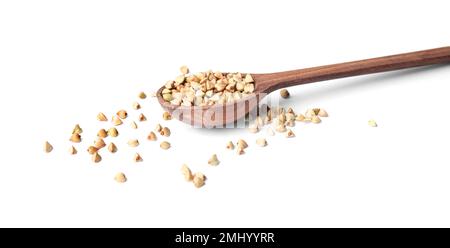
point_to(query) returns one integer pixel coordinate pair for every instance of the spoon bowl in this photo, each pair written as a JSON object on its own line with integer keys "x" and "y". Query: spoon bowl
{"x": 212, "y": 116}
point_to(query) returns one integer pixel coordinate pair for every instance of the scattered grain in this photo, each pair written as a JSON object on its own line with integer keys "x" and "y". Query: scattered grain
{"x": 116, "y": 120}
{"x": 158, "y": 128}
{"x": 112, "y": 132}
{"x": 242, "y": 144}
{"x": 102, "y": 117}
{"x": 122, "y": 114}
{"x": 99, "y": 143}
{"x": 187, "y": 173}
{"x": 151, "y": 136}
{"x": 136, "y": 106}
{"x": 230, "y": 145}
{"x": 290, "y": 134}
{"x": 96, "y": 157}
{"x": 165, "y": 145}
{"x": 137, "y": 158}
{"x": 120, "y": 177}
{"x": 165, "y": 132}
{"x": 199, "y": 180}
{"x": 48, "y": 147}
{"x": 133, "y": 125}
{"x": 142, "y": 95}
{"x": 76, "y": 138}
{"x": 284, "y": 93}
{"x": 214, "y": 161}
{"x": 261, "y": 142}
{"x": 112, "y": 147}
{"x": 72, "y": 150}
{"x": 102, "y": 133}
{"x": 133, "y": 143}
{"x": 92, "y": 149}
{"x": 77, "y": 129}
{"x": 142, "y": 117}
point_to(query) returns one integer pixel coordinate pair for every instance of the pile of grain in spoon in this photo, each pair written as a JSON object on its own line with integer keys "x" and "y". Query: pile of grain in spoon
{"x": 207, "y": 88}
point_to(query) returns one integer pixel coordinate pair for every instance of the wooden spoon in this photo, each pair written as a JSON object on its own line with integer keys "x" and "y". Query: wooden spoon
{"x": 219, "y": 115}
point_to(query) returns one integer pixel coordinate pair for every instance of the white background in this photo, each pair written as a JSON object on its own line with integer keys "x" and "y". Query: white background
{"x": 61, "y": 62}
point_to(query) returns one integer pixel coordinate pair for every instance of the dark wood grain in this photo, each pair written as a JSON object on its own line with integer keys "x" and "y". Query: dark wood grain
{"x": 220, "y": 115}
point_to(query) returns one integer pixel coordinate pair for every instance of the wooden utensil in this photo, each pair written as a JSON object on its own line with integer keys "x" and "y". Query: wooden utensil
{"x": 219, "y": 115}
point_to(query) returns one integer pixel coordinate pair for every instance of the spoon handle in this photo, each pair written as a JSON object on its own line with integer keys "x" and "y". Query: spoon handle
{"x": 274, "y": 81}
